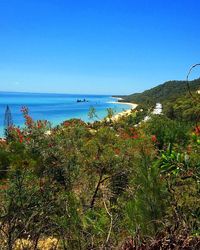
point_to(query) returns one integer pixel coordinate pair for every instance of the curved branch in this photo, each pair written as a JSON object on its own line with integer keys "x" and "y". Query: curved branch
{"x": 188, "y": 86}
{"x": 187, "y": 78}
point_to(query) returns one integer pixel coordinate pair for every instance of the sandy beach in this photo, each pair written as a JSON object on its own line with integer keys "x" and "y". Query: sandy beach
{"x": 123, "y": 113}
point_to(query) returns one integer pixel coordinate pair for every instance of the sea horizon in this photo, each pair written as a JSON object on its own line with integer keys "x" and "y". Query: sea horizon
{"x": 59, "y": 93}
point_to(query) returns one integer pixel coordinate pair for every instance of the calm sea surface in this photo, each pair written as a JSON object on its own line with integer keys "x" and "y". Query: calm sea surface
{"x": 54, "y": 107}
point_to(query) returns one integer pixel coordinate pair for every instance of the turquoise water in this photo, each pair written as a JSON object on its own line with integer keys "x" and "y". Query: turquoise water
{"x": 55, "y": 108}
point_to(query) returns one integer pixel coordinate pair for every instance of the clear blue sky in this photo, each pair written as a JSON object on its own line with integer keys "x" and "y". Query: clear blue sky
{"x": 96, "y": 46}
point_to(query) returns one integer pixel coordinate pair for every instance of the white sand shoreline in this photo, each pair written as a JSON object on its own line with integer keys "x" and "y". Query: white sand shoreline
{"x": 125, "y": 112}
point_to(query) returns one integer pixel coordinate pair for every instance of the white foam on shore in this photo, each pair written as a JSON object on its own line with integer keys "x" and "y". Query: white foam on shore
{"x": 133, "y": 105}
{"x": 118, "y": 98}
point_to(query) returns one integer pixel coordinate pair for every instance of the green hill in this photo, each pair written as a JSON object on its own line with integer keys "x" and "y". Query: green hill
{"x": 168, "y": 91}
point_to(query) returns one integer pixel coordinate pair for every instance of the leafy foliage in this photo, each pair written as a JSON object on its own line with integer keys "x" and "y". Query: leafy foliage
{"x": 102, "y": 185}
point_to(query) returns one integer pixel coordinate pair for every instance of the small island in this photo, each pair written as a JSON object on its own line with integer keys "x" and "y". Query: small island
{"x": 84, "y": 100}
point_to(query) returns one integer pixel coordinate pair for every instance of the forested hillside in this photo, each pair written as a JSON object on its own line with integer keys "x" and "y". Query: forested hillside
{"x": 165, "y": 92}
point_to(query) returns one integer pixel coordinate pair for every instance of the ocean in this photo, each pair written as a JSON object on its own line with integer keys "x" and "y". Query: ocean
{"x": 55, "y": 108}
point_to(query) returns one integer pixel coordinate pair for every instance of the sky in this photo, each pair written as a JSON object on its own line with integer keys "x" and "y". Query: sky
{"x": 96, "y": 46}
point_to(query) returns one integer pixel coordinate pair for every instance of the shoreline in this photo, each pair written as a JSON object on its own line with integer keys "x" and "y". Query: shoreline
{"x": 125, "y": 112}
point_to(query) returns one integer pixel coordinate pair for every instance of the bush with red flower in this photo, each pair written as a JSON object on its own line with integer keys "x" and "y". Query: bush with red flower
{"x": 95, "y": 184}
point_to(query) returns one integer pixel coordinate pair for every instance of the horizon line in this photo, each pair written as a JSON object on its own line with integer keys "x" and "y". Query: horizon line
{"x": 58, "y": 93}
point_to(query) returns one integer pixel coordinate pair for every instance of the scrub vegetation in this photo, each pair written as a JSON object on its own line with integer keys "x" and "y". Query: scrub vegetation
{"x": 103, "y": 185}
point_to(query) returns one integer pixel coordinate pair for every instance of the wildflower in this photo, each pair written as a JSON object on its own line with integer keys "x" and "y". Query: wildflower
{"x": 20, "y": 140}
{"x": 197, "y": 130}
{"x": 153, "y": 138}
{"x": 39, "y": 124}
{"x": 66, "y": 124}
{"x": 29, "y": 121}
{"x": 117, "y": 151}
{"x": 135, "y": 136}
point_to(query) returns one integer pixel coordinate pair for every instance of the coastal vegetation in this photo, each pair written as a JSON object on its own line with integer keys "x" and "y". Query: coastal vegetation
{"x": 112, "y": 184}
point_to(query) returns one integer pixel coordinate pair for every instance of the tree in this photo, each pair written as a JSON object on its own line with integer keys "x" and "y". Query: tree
{"x": 92, "y": 113}
{"x": 8, "y": 122}
{"x": 146, "y": 206}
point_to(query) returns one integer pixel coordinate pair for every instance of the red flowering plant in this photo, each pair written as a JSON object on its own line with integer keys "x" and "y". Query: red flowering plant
{"x": 32, "y": 125}
{"x": 28, "y": 119}
{"x": 154, "y": 138}
{"x": 197, "y": 130}
{"x": 129, "y": 133}
{"x": 66, "y": 124}
{"x": 15, "y": 134}
{"x": 73, "y": 123}
{"x": 32, "y": 132}
{"x": 4, "y": 184}
{"x": 117, "y": 151}
{"x": 196, "y": 134}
